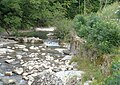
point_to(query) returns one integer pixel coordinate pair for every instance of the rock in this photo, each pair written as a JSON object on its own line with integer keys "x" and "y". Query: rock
{"x": 8, "y": 73}
{"x": 9, "y": 57}
{"x": 25, "y": 77}
{"x": 1, "y": 74}
{"x": 88, "y": 82}
{"x": 48, "y": 57}
{"x": 5, "y": 50}
{"x": 25, "y": 49}
{"x": 60, "y": 49}
{"x": 1, "y": 45}
{"x": 47, "y": 78}
{"x": 67, "y": 57}
{"x": 43, "y": 49}
{"x": 10, "y": 50}
{"x": 51, "y": 43}
{"x": 8, "y": 47}
{"x": 18, "y": 70}
{"x": 20, "y": 46}
{"x": 34, "y": 48}
{"x": 65, "y": 76}
{"x": 8, "y": 81}
{"x": 15, "y": 62}
{"x": 9, "y": 61}
{"x": 19, "y": 56}
{"x": 32, "y": 40}
{"x": 25, "y": 74}
{"x": 66, "y": 52}
{"x": 22, "y": 82}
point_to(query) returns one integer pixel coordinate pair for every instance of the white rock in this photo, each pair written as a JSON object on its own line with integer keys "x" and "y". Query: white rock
{"x": 25, "y": 49}
{"x": 25, "y": 74}
{"x": 9, "y": 57}
{"x": 43, "y": 54}
{"x": 88, "y": 82}
{"x": 1, "y": 45}
{"x": 18, "y": 70}
{"x": 25, "y": 77}
{"x": 5, "y": 50}
{"x": 57, "y": 60}
{"x": 30, "y": 67}
{"x": 30, "y": 82}
{"x": 10, "y": 61}
{"x": 19, "y": 56}
{"x": 34, "y": 74}
{"x": 43, "y": 49}
{"x": 34, "y": 48}
{"x": 67, "y": 57}
{"x": 8, "y": 47}
{"x": 20, "y": 46}
{"x": 40, "y": 46}
{"x": 65, "y": 75}
{"x": 60, "y": 49}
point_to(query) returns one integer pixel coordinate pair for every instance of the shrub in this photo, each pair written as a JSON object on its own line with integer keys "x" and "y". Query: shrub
{"x": 102, "y": 35}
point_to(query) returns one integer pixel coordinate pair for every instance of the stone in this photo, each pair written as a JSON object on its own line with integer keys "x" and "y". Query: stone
{"x": 25, "y": 49}
{"x": 9, "y": 57}
{"x": 43, "y": 54}
{"x": 8, "y": 81}
{"x": 66, "y": 52}
{"x": 1, "y": 74}
{"x": 34, "y": 48}
{"x": 23, "y": 82}
{"x": 8, "y": 47}
{"x": 25, "y": 77}
{"x": 19, "y": 56}
{"x": 67, "y": 75}
{"x": 67, "y": 57}
{"x": 18, "y": 70}
{"x": 60, "y": 49}
{"x": 88, "y": 82}
{"x": 20, "y": 46}
{"x": 9, "y": 61}
{"x": 5, "y": 50}
{"x": 9, "y": 73}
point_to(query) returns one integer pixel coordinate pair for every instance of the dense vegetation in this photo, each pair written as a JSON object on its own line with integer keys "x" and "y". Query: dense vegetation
{"x": 102, "y": 33}
{"x": 22, "y": 14}
{"x": 96, "y": 21}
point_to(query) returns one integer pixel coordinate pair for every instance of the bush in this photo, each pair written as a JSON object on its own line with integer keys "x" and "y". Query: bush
{"x": 114, "y": 79}
{"x": 102, "y": 35}
{"x": 64, "y": 27}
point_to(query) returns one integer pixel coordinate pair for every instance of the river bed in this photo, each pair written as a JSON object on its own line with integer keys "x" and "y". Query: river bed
{"x": 37, "y": 64}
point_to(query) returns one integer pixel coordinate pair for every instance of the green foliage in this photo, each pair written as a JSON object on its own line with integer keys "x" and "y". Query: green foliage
{"x": 111, "y": 11}
{"x": 20, "y": 14}
{"x": 64, "y": 27}
{"x": 102, "y": 35}
{"x": 114, "y": 79}
{"x": 91, "y": 70}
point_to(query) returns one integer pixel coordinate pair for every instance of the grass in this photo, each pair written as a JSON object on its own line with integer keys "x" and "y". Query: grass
{"x": 91, "y": 70}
